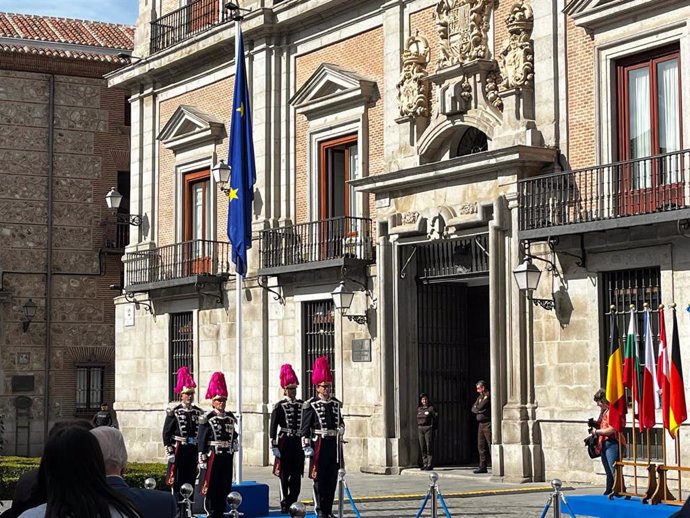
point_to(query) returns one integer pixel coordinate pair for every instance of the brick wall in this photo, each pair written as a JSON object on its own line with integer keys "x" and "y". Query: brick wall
{"x": 91, "y": 144}
{"x": 581, "y": 97}
{"x": 214, "y": 99}
{"x": 349, "y": 55}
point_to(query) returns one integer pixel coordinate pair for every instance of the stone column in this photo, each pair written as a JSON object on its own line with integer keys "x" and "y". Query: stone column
{"x": 521, "y": 452}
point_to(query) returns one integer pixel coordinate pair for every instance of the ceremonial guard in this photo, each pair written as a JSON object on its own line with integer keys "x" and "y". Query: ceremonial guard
{"x": 286, "y": 444}
{"x": 322, "y": 434}
{"x": 180, "y": 435}
{"x": 217, "y": 444}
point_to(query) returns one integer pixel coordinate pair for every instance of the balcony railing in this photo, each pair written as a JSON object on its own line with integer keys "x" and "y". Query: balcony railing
{"x": 326, "y": 240}
{"x": 185, "y": 22}
{"x": 649, "y": 185}
{"x": 170, "y": 263}
{"x": 115, "y": 233}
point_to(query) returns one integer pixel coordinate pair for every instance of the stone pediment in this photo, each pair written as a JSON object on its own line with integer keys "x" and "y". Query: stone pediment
{"x": 332, "y": 88}
{"x": 597, "y": 14}
{"x": 189, "y": 127}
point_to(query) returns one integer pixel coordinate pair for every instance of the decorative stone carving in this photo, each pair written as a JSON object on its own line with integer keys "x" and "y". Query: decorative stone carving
{"x": 409, "y": 218}
{"x": 517, "y": 57}
{"x": 493, "y": 79}
{"x": 463, "y": 27}
{"x": 467, "y": 208}
{"x": 413, "y": 88}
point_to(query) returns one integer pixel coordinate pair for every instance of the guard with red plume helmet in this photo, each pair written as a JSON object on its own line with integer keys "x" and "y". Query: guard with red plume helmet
{"x": 180, "y": 434}
{"x": 286, "y": 445}
{"x": 217, "y": 445}
{"x": 322, "y": 438}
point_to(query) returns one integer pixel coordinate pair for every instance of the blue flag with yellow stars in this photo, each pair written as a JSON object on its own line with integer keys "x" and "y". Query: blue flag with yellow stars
{"x": 242, "y": 167}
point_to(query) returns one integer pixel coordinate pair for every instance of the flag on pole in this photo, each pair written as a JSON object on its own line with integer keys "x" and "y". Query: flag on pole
{"x": 650, "y": 387}
{"x": 631, "y": 365}
{"x": 678, "y": 411}
{"x": 615, "y": 392}
{"x": 242, "y": 166}
{"x": 662, "y": 368}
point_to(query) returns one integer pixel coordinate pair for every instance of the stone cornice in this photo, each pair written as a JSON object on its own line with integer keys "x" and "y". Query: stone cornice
{"x": 595, "y": 15}
{"x": 516, "y": 157}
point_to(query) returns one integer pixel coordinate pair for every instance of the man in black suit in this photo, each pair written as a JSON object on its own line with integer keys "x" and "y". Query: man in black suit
{"x": 150, "y": 503}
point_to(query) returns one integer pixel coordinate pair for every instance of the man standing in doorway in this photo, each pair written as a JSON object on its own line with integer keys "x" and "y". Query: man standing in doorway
{"x": 180, "y": 435}
{"x": 482, "y": 409}
{"x": 322, "y": 434}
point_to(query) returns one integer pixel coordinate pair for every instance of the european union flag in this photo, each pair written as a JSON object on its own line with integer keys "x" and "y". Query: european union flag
{"x": 243, "y": 168}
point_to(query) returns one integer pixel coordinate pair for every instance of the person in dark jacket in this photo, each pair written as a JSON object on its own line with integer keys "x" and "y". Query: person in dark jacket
{"x": 286, "y": 444}
{"x": 103, "y": 417}
{"x": 180, "y": 436}
{"x": 217, "y": 447}
{"x": 482, "y": 410}
{"x": 150, "y": 503}
{"x": 427, "y": 424}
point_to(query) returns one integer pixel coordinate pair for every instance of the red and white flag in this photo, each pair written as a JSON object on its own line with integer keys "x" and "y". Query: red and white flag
{"x": 650, "y": 388}
{"x": 662, "y": 373}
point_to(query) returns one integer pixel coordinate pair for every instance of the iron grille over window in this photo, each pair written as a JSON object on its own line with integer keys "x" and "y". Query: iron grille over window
{"x": 445, "y": 258}
{"x": 318, "y": 328}
{"x": 622, "y": 289}
{"x": 181, "y": 347}
{"x": 89, "y": 388}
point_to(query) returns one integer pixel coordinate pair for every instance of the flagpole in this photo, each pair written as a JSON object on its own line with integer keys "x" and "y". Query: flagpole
{"x": 238, "y": 319}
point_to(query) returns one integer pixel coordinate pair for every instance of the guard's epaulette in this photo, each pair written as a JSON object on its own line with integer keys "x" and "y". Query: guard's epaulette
{"x": 197, "y": 408}
{"x": 277, "y": 405}
{"x": 170, "y": 411}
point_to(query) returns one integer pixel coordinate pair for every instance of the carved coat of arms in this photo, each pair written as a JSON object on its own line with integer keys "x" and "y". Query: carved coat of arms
{"x": 463, "y": 27}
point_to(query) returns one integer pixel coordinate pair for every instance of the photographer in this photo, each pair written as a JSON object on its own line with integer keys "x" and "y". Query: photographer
{"x": 608, "y": 439}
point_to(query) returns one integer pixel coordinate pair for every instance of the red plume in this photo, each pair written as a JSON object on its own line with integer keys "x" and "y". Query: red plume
{"x": 321, "y": 373}
{"x": 217, "y": 387}
{"x": 288, "y": 378}
{"x": 185, "y": 382}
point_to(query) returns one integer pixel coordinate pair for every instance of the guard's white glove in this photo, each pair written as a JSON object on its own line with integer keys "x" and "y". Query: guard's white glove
{"x": 235, "y": 446}
{"x": 203, "y": 465}
{"x": 341, "y": 430}
{"x": 171, "y": 458}
{"x": 276, "y": 452}
{"x": 308, "y": 451}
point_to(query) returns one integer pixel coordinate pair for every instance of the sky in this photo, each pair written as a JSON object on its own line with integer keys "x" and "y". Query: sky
{"x": 113, "y": 11}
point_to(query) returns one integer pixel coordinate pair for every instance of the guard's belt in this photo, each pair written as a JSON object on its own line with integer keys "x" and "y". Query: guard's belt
{"x": 220, "y": 444}
{"x": 326, "y": 433}
{"x": 185, "y": 440}
{"x": 290, "y": 433}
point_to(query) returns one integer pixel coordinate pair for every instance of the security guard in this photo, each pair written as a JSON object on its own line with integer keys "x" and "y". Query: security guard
{"x": 322, "y": 433}
{"x": 103, "y": 417}
{"x": 217, "y": 445}
{"x": 286, "y": 445}
{"x": 180, "y": 435}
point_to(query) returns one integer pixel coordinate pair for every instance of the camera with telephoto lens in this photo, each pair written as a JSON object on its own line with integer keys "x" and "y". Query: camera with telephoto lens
{"x": 592, "y": 441}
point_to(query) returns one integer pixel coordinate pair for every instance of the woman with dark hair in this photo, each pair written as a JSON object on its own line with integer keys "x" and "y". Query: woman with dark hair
{"x": 427, "y": 424}
{"x": 72, "y": 478}
{"x": 609, "y": 439}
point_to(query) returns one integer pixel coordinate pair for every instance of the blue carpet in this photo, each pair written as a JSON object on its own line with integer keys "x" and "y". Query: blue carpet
{"x": 601, "y": 507}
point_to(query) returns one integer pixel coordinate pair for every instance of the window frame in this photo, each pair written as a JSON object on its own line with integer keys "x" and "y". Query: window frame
{"x": 173, "y": 338}
{"x": 326, "y": 183}
{"x": 189, "y": 180}
{"x": 91, "y": 406}
{"x": 326, "y": 332}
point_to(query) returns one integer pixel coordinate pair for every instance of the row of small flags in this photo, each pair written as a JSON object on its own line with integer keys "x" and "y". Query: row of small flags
{"x": 658, "y": 385}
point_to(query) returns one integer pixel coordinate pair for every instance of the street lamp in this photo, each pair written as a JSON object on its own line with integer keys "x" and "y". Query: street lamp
{"x": 342, "y": 299}
{"x": 527, "y": 277}
{"x": 113, "y": 200}
{"x": 29, "y": 309}
{"x": 221, "y": 175}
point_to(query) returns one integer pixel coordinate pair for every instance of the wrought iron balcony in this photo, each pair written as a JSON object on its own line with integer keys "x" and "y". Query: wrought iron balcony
{"x": 185, "y": 22}
{"x": 343, "y": 241}
{"x": 115, "y": 233}
{"x": 621, "y": 194}
{"x": 175, "y": 265}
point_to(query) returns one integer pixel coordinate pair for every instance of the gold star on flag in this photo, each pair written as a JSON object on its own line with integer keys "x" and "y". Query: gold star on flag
{"x": 241, "y": 109}
{"x": 232, "y": 195}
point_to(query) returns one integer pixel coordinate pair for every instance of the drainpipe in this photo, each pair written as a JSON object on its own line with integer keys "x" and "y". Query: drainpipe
{"x": 49, "y": 255}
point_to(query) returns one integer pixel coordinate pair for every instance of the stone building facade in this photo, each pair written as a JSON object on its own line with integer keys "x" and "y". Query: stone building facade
{"x": 61, "y": 249}
{"x": 416, "y": 152}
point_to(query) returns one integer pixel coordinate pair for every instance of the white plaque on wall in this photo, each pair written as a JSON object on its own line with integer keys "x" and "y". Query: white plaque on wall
{"x": 129, "y": 315}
